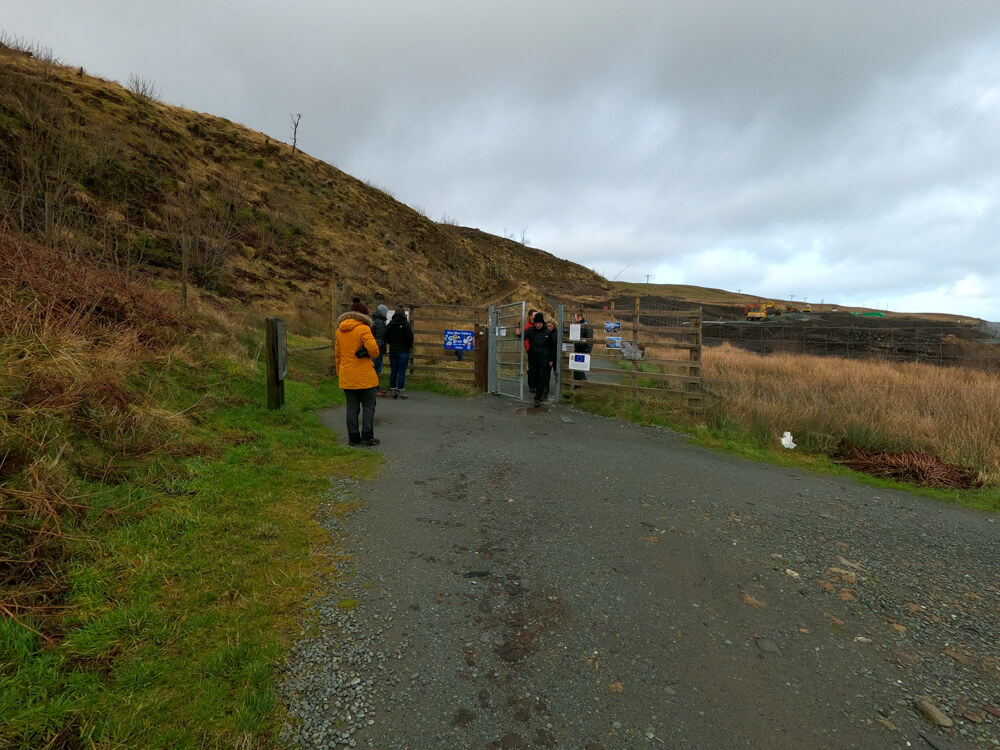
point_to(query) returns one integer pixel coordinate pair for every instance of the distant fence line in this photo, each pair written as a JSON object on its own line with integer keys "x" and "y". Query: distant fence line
{"x": 927, "y": 344}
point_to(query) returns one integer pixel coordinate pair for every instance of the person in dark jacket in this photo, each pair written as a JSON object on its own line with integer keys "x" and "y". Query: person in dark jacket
{"x": 542, "y": 353}
{"x": 399, "y": 339}
{"x": 379, "y": 324}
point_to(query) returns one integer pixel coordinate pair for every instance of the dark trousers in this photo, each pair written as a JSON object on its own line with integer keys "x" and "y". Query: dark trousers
{"x": 397, "y": 369}
{"x": 360, "y": 399}
{"x": 538, "y": 375}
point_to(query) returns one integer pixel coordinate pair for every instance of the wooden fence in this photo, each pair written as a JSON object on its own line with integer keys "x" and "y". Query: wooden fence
{"x": 647, "y": 352}
{"x": 429, "y": 359}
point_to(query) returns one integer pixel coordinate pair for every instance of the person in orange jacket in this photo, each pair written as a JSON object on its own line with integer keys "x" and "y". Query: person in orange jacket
{"x": 354, "y": 349}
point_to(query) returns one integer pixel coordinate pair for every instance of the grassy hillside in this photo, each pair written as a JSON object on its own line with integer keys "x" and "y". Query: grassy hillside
{"x": 94, "y": 168}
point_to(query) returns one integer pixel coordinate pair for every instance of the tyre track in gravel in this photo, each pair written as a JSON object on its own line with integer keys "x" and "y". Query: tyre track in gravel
{"x": 555, "y": 579}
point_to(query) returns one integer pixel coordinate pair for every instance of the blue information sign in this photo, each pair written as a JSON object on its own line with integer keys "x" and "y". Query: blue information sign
{"x": 461, "y": 341}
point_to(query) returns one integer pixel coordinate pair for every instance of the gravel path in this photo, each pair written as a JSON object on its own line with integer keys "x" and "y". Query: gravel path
{"x": 552, "y": 579}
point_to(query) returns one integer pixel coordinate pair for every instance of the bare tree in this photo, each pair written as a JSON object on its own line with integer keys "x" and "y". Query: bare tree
{"x": 524, "y": 236}
{"x": 142, "y": 89}
{"x": 295, "y": 132}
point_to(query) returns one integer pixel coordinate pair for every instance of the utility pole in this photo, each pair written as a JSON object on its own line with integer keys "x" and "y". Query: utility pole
{"x": 647, "y": 278}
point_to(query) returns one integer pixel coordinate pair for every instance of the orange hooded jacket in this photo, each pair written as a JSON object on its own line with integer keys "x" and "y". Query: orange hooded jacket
{"x": 353, "y": 332}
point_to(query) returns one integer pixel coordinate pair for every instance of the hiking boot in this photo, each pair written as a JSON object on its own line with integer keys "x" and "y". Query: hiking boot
{"x": 354, "y": 438}
{"x": 368, "y": 440}
{"x": 402, "y": 393}
{"x": 379, "y": 393}
{"x": 395, "y": 393}
{"x": 537, "y": 403}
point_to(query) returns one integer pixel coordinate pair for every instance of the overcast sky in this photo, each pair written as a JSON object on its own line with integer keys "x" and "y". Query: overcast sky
{"x": 846, "y": 151}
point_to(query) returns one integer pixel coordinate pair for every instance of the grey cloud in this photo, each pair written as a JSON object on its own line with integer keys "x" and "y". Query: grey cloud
{"x": 844, "y": 148}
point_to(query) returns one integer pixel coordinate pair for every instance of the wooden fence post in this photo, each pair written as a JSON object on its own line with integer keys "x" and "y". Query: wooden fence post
{"x": 694, "y": 355}
{"x": 635, "y": 343}
{"x": 482, "y": 358}
{"x": 334, "y": 304}
{"x": 413, "y": 350}
{"x": 276, "y": 360}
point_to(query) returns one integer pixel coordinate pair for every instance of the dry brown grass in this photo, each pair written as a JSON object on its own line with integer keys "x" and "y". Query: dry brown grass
{"x": 834, "y": 405}
{"x": 71, "y": 335}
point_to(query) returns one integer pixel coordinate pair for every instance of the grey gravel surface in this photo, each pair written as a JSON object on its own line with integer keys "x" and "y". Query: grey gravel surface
{"x": 551, "y": 579}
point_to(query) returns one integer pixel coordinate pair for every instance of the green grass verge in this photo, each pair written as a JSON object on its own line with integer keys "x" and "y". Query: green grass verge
{"x": 183, "y": 602}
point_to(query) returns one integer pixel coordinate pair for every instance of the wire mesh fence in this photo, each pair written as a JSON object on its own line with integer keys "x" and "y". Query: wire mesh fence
{"x": 928, "y": 344}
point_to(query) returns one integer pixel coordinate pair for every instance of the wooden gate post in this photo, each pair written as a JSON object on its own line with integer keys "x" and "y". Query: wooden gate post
{"x": 481, "y": 353}
{"x": 276, "y": 360}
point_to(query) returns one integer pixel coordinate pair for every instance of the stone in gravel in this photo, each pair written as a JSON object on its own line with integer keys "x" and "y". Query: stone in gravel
{"x": 768, "y": 646}
{"x": 511, "y": 740}
{"x": 932, "y": 713}
{"x": 958, "y": 656}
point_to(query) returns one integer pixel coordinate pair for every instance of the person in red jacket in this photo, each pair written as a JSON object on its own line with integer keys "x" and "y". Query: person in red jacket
{"x": 524, "y": 335}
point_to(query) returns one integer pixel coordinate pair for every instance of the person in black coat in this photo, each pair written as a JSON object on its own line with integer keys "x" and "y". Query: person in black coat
{"x": 541, "y": 344}
{"x": 399, "y": 339}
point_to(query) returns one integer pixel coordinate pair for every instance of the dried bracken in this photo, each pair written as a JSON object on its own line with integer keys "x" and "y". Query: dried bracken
{"x": 71, "y": 333}
{"x": 913, "y": 466}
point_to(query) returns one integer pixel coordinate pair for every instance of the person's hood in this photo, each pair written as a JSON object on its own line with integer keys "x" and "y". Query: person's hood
{"x": 351, "y": 320}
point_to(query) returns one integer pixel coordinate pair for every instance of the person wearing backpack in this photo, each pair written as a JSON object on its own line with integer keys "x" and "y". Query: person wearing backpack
{"x": 399, "y": 339}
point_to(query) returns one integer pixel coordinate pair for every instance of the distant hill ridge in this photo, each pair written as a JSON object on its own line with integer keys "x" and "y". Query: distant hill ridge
{"x": 98, "y": 169}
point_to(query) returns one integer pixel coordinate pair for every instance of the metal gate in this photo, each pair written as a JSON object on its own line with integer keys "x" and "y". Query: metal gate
{"x": 506, "y": 375}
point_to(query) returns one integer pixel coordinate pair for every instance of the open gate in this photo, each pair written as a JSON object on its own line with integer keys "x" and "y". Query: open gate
{"x": 507, "y": 355}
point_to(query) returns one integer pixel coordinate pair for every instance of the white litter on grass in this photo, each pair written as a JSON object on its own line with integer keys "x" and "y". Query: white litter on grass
{"x": 786, "y": 440}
